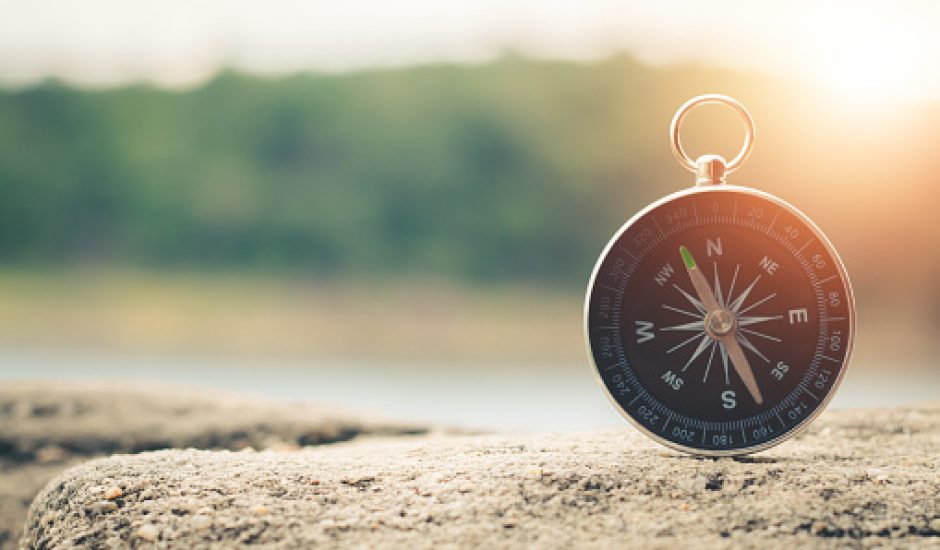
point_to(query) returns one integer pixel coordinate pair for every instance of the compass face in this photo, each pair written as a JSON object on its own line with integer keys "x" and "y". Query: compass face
{"x": 720, "y": 320}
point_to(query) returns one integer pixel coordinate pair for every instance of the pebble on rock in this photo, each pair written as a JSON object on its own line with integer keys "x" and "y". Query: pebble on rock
{"x": 148, "y": 532}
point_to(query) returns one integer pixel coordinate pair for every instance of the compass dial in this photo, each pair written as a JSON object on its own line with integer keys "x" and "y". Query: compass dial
{"x": 720, "y": 320}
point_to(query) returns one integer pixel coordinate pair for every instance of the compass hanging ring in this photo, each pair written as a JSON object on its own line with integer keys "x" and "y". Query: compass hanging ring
{"x": 711, "y": 169}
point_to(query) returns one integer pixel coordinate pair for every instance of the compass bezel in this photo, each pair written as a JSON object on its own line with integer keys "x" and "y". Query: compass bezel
{"x": 850, "y": 318}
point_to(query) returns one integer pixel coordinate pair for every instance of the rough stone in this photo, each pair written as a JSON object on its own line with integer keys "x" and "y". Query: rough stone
{"x": 850, "y": 481}
{"x": 48, "y": 426}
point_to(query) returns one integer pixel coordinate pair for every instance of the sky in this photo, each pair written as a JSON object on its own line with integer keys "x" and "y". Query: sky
{"x": 889, "y": 50}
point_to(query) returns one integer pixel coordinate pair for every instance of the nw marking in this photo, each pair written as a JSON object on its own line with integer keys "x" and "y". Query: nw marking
{"x": 663, "y": 276}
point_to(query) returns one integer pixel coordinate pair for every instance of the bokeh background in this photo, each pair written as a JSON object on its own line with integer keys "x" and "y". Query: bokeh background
{"x": 397, "y": 205}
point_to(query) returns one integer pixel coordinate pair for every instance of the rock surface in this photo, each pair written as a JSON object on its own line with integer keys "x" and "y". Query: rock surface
{"x": 856, "y": 479}
{"x": 46, "y": 427}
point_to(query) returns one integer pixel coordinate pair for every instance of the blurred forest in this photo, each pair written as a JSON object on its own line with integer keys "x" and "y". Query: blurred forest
{"x": 512, "y": 172}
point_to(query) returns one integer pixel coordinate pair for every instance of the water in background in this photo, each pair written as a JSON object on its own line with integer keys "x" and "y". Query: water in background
{"x": 510, "y": 397}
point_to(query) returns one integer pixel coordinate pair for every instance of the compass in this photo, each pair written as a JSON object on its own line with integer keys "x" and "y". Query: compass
{"x": 719, "y": 319}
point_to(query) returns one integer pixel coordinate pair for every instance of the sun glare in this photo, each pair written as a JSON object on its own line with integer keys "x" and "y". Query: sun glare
{"x": 864, "y": 70}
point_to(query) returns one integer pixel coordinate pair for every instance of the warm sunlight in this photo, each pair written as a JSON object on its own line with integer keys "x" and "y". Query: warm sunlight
{"x": 868, "y": 70}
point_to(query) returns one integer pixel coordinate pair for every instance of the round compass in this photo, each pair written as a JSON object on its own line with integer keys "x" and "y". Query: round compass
{"x": 720, "y": 318}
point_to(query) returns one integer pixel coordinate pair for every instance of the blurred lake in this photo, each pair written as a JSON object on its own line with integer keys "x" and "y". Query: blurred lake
{"x": 505, "y": 397}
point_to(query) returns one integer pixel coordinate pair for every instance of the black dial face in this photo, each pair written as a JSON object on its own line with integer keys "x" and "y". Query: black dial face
{"x": 720, "y": 320}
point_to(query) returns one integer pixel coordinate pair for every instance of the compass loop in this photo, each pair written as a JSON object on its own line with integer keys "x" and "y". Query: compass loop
{"x": 691, "y": 104}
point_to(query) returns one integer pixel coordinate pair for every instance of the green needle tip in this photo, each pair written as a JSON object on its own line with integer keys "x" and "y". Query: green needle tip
{"x": 687, "y": 257}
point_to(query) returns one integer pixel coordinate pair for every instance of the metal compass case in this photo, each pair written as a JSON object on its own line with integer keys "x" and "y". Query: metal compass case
{"x": 719, "y": 319}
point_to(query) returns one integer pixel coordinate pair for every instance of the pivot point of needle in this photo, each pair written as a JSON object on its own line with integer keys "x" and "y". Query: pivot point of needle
{"x": 687, "y": 257}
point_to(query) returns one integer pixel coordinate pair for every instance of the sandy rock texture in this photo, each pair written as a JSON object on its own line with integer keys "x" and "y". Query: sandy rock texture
{"x": 856, "y": 479}
{"x": 46, "y": 427}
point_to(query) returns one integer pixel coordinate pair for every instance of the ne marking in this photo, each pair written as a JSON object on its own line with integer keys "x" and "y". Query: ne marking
{"x": 824, "y": 281}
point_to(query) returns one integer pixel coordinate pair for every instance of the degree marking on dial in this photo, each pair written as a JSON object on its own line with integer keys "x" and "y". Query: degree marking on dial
{"x": 610, "y": 288}
{"x": 773, "y": 221}
{"x": 810, "y": 394}
{"x": 833, "y": 319}
{"x": 782, "y": 423}
{"x": 661, "y": 232}
{"x": 826, "y": 280}
{"x": 826, "y": 357}
{"x": 804, "y": 246}
{"x": 623, "y": 249}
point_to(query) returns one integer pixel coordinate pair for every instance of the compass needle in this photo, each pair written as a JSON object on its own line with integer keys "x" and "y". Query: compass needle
{"x": 722, "y": 323}
{"x": 719, "y": 319}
